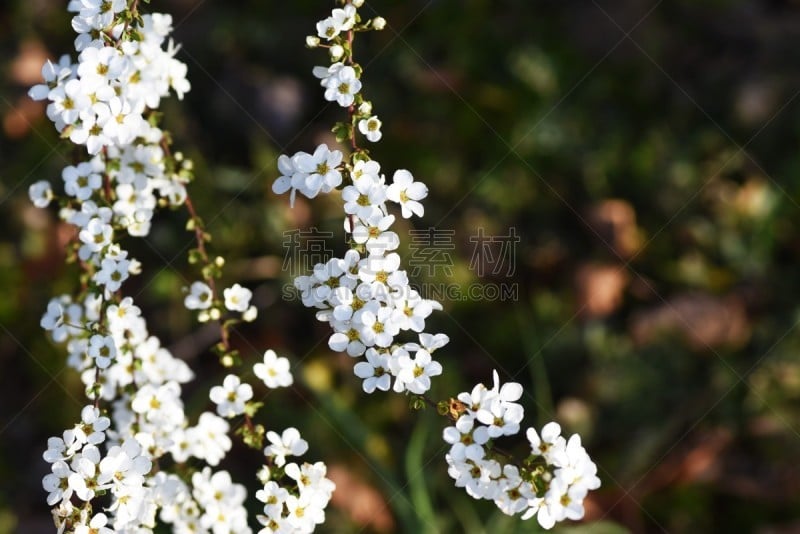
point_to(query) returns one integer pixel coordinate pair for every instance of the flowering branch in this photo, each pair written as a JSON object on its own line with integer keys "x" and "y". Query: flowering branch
{"x": 118, "y": 455}
{"x": 366, "y": 298}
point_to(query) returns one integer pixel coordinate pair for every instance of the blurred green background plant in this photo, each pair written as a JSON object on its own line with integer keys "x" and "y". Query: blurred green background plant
{"x": 646, "y": 154}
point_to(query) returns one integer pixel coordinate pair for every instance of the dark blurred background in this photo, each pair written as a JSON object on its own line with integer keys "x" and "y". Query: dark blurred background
{"x": 645, "y": 155}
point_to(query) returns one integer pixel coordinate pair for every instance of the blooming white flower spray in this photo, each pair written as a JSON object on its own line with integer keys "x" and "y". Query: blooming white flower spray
{"x": 379, "y": 319}
{"x": 135, "y": 459}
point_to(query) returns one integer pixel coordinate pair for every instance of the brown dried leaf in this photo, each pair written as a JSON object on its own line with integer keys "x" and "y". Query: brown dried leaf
{"x": 615, "y": 221}
{"x": 364, "y": 504}
{"x": 704, "y": 321}
{"x": 600, "y": 289}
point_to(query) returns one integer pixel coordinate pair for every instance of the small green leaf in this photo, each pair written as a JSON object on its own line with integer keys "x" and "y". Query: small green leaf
{"x": 251, "y": 408}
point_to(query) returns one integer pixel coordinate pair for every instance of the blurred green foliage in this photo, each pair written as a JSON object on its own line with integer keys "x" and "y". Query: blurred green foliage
{"x": 646, "y": 154}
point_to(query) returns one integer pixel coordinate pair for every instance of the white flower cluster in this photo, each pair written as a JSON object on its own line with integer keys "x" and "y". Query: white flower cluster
{"x": 107, "y": 102}
{"x": 79, "y": 469}
{"x": 550, "y": 484}
{"x": 364, "y": 296}
{"x": 302, "y": 507}
{"x": 236, "y": 299}
{"x": 232, "y": 396}
{"x": 366, "y": 299}
{"x": 103, "y": 100}
{"x": 212, "y": 503}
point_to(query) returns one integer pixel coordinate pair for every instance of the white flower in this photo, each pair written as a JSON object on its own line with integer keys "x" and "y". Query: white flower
{"x": 273, "y": 496}
{"x": 67, "y": 101}
{"x": 466, "y": 440}
{"x": 237, "y": 298}
{"x": 124, "y": 465}
{"x": 303, "y": 512}
{"x": 82, "y": 181}
{"x": 288, "y": 168}
{"x": 371, "y": 128}
{"x": 414, "y": 310}
{"x": 274, "y": 370}
{"x": 576, "y": 468}
{"x": 311, "y": 479}
{"x": 84, "y": 466}
{"x": 199, "y": 297}
{"x": 379, "y": 326}
{"x": 379, "y": 269}
{"x": 96, "y": 235}
{"x": 112, "y": 273}
{"x": 560, "y": 502}
{"x": 369, "y": 169}
{"x": 341, "y": 84}
{"x": 364, "y": 198}
{"x": 320, "y": 170}
{"x": 93, "y": 426}
{"x": 374, "y": 233}
{"x": 327, "y": 29}
{"x": 348, "y": 340}
{"x": 431, "y": 342}
{"x": 499, "y": 411}
{"x": 345, "y": 17}
{"x": 210, "y": 438}
{"x": 102, "y": 349}
{"x": 231, "y": 396}
{"x": 56, "y": 483}
{"x": 100, "y": 13}
{"x": 287, "y": 444}
{"x": 415, "y": 374}
{"x": 41, "y": 193}
{"x": 341, "y": 20}
{"x": 375, "y": 371}
{"x": 550, "y": 444}
{"x": 309, "y": 174}
{"x": 406, "y": 192}
{"x": 53, "y": 74}
{"x": 97, "y": 525}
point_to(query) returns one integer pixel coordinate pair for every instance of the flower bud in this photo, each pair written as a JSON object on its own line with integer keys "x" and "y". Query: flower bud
{"x": 357, "y": 3}
{"x": 250, "y": 315}
{"x": 379, "y": 23}
{"x": 135, "y": 266}
{"x": 365, "y": 108}
{"x": 312, "y": 41}
{"x": 337, "y": 51}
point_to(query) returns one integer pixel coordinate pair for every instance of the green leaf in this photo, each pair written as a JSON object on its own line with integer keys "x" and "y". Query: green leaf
{"x": 415, "y": 461}
{"x": 251, "y": 408}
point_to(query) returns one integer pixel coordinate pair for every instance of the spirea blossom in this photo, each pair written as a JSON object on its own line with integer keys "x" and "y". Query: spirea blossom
{"x": 365, "y": 296}
{"x": 274, "y": 370}
{"x": 105, "y": 101}
{"x": 231, "y": 396}
{"x": 552, "y": 483}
